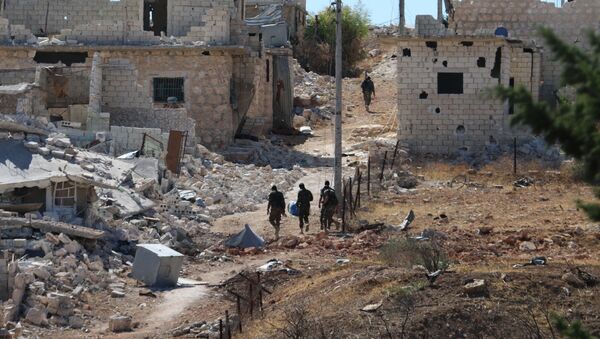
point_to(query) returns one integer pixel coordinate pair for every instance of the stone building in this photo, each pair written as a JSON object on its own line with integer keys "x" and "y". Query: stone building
{"x": 521, "y": 20}
{"x": 292, "y": 12}
{"x": 187, "y": 65}
{"x": 445, "y": 73}
{"x": 443, "y": 99}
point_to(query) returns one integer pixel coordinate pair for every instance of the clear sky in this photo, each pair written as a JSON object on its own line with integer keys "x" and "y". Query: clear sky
{"x": 384, "y": 11}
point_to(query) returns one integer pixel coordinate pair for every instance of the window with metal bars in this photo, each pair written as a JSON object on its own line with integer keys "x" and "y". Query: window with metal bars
{"x": 164, "y": 88}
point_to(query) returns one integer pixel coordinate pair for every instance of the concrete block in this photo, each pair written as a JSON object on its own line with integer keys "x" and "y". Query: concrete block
{"x": 157, "y": 265}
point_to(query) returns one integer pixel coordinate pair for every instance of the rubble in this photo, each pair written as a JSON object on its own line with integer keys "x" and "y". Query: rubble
{"x": 119, "y": 323}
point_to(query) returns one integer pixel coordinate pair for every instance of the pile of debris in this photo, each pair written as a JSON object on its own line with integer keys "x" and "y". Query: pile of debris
{"x": 314, "y": 96}
{"x": 212, "y": 188}
{"x": 49, "y": 286}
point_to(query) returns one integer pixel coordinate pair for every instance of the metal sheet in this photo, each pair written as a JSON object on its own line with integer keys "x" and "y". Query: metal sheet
{"x": 174, "y": 150}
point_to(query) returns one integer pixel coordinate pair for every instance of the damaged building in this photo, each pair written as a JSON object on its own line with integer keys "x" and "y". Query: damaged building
{"x": 131, "y": 67}
{"x": 446, "y": 70}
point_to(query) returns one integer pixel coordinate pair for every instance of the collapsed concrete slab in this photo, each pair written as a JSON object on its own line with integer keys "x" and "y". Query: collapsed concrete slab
{"x": 157, "y": 265}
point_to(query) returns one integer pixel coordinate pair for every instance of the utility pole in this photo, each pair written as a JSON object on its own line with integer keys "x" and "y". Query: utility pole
{"x": 402, "y": 23}
{"x": 440, "y": 11}
{"x": 337, "y": 165}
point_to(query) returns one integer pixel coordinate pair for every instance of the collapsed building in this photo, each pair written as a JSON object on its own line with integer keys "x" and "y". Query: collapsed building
{"x": 446, "y": 70}
{"x": 123, "y": 67}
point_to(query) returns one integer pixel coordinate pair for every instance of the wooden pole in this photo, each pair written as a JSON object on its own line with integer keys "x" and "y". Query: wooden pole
{"x": 221, "y": 329}
{"x": 344, "y": 210}
{"x": 515, "y": 156}
{"x": 383, "y": 167}
{"x": 357, "y": 198}
{"x": 251, "y": 298}
{"x": 350, "y": 198}
{"x": 395, "y": 152}
{"x": 239, "y": 312}
{"x": 227, "y": 325}
{"x": 369, "y": 175}
{"x": 46, "y": 20}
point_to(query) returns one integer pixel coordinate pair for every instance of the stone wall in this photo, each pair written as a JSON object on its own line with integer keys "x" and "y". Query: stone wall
{"x": 11, "y": 33}
{"x": 252, "y": 71}
{"x": 129, "y": 139}
{"x": 165, "y": 119}
{"x": 63, "y": 14}
{"x": 522, "y": 19}
{"x": 427, "y": 25}
{"x": 109, "y": 32}
{"x": 128, "y": 87}
{"x": 16, "y": 76}
{"x": 110, "y": 22}
{"x": 446, "y": 123}
{"x": 212, "y": 15}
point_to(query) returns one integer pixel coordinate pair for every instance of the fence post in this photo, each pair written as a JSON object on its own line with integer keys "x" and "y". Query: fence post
{"x": 227, "y": 325}
{"x": 383, "y": 167}
{"x": 239, "y": 312}
{"x": 395, "y": 152}
{"x": 515, "y": 156}
{"x": 251, "y": 298}
{"x": 344, "y": 207}
{"x": 369, "y": 175}
{"x": 220, "y": 328}
{"x": 357, "y": 198}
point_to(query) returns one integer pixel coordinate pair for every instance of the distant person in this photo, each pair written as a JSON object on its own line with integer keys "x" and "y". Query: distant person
{"x": 303, "y": 203}
{"x": 329, "y": 206}
{"x": 368, "y": 89}
{"x": 276, "y": 209}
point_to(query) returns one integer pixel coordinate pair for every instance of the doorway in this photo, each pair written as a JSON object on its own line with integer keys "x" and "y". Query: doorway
{"x": 155, "y": 16}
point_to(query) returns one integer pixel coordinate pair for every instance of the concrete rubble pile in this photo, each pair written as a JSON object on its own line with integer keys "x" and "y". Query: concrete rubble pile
{"x": 314, "y": 96}
{"x": 214, "y": 188}
{"x": 52, "y": 287}
{"x": 276, "y": 154}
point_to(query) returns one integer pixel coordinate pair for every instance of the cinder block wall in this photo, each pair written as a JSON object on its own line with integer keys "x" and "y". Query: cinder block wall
{"x": 522, "y": 19}
{"x": 128, "y": 83}
{"x": 211, "y": 17}
{"x": 446, "y": 123}
{"x": 71, "y": 13}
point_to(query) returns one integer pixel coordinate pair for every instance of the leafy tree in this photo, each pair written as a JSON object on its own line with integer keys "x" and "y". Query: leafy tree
{"x": 318, "y": 48}
{"x": 571, "y": 331}
{"x": 574, "y": 123}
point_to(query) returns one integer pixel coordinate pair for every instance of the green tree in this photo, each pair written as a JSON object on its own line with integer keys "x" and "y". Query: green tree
{"x": 318, "y": 48}
{"x": 575, "y": 122}
{"x": 571, "y": 331}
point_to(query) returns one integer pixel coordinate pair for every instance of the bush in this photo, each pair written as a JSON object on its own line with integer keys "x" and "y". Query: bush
{"x": 410, "y": 252}
{"x": 317, "y": 51}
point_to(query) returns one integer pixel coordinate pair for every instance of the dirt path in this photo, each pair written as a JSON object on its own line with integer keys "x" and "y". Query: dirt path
{"x": 176, "y": 301}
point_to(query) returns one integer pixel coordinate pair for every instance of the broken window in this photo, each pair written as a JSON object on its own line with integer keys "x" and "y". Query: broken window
{"x": 406, "y": 52}
{"x": 431, "y": 44}
{"x": 481, "y": 62}
{"x": 165, "y": 88}
{"x": 268, "y": 70}
{"x": 497, "y": 64}
{"x": 467, "y": 43}
{"x": 64, "y": 194}
{"x": 67, "y": 58}
{"x": 450, "y": 83}
{"x": 423, "y": 95}
{"x": 155, "y": 16}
